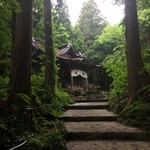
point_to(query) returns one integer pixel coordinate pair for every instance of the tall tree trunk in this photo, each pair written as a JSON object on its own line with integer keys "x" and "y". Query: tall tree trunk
{"x": 21, "y": 56}
{"x": 13, "y": 22}
{"x": 148, "y": 40}
{"x": 49, "y": 70}
{"x": 137, "y": 76}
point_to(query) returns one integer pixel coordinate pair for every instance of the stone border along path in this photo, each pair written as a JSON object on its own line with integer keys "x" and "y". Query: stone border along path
{"x": 90, "y": 126}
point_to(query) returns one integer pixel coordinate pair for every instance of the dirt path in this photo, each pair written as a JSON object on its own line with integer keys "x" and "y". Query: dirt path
{"x": 90, "y": 126}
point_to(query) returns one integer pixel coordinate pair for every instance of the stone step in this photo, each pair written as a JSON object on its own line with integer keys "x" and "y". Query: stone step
{"x": 89, "y": 118}
{"x": 90, "y": 126}
{"x": 104, "y": 131}
{"x": 88, "y": 115}
{"x": 91, "y": 100}
{"x": 89, "y": 105}
{"x": 92, "y": 118}
{"x": 108, "y": 145}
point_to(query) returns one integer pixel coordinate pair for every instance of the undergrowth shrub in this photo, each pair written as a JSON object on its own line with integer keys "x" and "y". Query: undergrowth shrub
{"x": 115, "y": 66}
{"x": 59, "y": 101}
{"x": 3, "y": 87}
{"x": 38, "y": 89}
{"x": 137, "y": 114}
{"x": 10, "y": 129}
{"x": 52, "y": 137}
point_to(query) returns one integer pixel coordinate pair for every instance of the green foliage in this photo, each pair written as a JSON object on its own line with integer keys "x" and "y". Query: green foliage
{"x": 5, "y": 34}
{"x": 143, "y": 4}
{"x": 137, "y": 114}
{"x": 54, "y": 141}
{"x": 78, "y": 40}
{"x": 147, "y": 66}
{"x": 4, "y": 138}
{"x": 10, "y": 129}
{"x": 2, "y": 125}
{"x": 24, "y": 97}
{"x": 62, "y": 15}
{"x": 116, "y": 67}
{"x": 37, "y": 81}
{"x": 6, "y": 8}
{"x": 61, "y": 24}
{"x": 91, "y": 21}
{"x": 61, "y": 35}
{"x": 144, "y": 23}
{"x": 61, "y": 101}
{"x": 111, "y": 39}
{"x": 89, "y": 27}
{"x": 5, "y": 67}
{"x": 50, "y": 138}
{"x": 38, "y": 89}
{"x": 118, "y": 2}
{"x": 38, "y": 20}
{"x": 58, "y": 103}
{"x": 3, "y": 87}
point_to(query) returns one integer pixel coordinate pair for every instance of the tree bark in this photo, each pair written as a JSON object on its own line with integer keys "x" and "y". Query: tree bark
{"x": 148, "y": 40}
{"x": 49, "y": 68}
{"x": 21, "y": 56}
{"x": 137, "y": 76}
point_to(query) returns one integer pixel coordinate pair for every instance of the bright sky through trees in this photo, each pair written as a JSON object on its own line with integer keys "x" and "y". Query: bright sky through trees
{"x": 112, "y": 13}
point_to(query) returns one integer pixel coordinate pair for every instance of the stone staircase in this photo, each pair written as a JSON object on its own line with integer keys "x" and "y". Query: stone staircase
{"x": 91, "y": 126}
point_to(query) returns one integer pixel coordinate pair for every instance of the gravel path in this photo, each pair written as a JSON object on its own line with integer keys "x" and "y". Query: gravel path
{"x": 86, "y": 112}
{"x": 108, "y": 145}
{"x": 99, "y": 127}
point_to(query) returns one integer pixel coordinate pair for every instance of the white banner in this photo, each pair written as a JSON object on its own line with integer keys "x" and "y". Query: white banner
{"x": 75, "y": 73}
